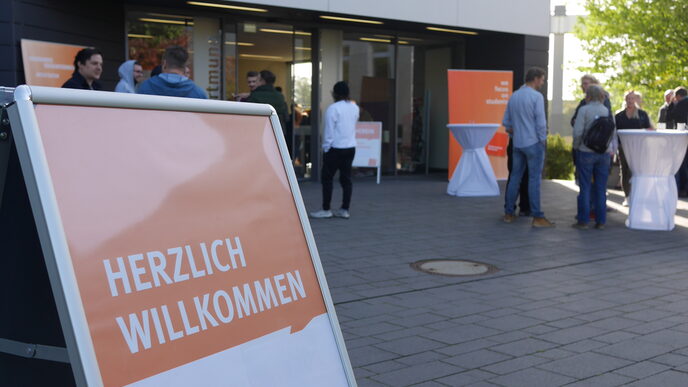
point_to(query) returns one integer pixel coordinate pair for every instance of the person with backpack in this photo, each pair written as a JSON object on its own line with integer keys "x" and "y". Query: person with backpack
{"x": 587, "y": 80}
{"x": 594, "y": 141}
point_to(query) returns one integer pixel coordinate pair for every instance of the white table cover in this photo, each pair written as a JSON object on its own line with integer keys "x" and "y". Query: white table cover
{"x": 654, "y": 158}
{"x": 473, "y": 175}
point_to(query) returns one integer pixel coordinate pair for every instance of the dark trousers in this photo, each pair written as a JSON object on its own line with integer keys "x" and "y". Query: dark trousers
{"x": 337, "y": 159}
{"x": 682, "y": 176}
{"x": 625, "y": 173}
{"x": 524, "y": 200}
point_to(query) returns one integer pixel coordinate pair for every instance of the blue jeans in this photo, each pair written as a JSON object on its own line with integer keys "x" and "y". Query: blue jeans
{"x": 592, "y": 165}
{"x": 534, "y": 158}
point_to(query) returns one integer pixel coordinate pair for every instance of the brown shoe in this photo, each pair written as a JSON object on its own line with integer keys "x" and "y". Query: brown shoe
{"x": 542, "y": 222}
{"x": 509, "y": 218}
{"x": 599, "y": 226}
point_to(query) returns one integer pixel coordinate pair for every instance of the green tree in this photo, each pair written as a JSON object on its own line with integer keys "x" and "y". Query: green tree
{"x": 643, "y": 44}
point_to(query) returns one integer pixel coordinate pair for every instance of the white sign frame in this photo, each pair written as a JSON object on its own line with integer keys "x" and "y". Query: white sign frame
{"x": 51, "y": 233}
{"x": 378, "y": 149}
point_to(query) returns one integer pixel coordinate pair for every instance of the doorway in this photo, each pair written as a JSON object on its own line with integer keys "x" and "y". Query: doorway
{"x": 286, "y": 52}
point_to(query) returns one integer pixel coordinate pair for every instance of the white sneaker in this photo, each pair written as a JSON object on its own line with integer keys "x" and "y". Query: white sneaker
{"x": 341, "y": 213}
{"x": 625, "y": 202}
{"x": 321, "y": 214}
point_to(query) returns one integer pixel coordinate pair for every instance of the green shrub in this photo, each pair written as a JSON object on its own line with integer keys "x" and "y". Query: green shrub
{"x": 558, "y": 160}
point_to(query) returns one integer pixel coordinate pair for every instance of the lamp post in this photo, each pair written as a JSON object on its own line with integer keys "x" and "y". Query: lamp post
{"x": 561, "y": 24}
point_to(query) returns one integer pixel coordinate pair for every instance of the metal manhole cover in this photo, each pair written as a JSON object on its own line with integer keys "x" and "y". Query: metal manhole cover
{"x": 452, "y": 267}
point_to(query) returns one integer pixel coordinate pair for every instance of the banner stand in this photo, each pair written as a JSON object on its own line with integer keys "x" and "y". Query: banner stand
{"x": 369, "y": 146}
{"x": 45, "y": 332}
{"x": 32, "y": 345}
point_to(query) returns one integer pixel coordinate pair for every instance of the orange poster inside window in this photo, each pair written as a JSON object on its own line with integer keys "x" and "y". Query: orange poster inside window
{"x": 187, "y": 247}
{"x": 46, "y": 63}
{"x": 477, "y": 96}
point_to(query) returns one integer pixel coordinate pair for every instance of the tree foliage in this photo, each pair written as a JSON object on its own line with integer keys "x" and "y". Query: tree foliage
{"x": 642, "y": 44}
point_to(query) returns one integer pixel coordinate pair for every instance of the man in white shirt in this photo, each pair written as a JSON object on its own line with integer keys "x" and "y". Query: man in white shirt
{"x": 339, "y": 147}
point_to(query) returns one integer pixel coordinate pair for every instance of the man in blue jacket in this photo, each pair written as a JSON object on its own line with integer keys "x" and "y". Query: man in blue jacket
{"x": 172, "y": 82}
{"x": 524, "y": 120}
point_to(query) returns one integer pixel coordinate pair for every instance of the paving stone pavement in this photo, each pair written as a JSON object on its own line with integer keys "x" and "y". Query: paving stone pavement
{"x": 566, "y": 307}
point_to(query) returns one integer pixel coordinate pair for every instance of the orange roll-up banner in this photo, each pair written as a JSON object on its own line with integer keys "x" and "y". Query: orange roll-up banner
{"x": 46, "y": 63}
{"x": 477, "y": 96}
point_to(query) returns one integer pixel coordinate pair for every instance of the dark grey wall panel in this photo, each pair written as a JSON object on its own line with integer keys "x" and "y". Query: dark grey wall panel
{"x": 497, "y": 52}
{"x": 88, "y": 23}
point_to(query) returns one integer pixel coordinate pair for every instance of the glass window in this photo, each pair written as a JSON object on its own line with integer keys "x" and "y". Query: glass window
{"x": 368, "y": 63}
{"x": 148, "y": 34}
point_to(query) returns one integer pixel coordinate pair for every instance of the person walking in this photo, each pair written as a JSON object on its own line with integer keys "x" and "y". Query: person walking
{"x": 339, "y": 148}
{"x": 130, "y": 74}
{"x": 88, "y": 67}
{"x": 524, "y": 119}
{"x": 172, "y": 81}
{"x": 630, "y": 117}
{"x": 592, "y": 167}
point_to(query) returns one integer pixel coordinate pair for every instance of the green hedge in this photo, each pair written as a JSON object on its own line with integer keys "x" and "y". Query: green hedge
{"x": 558, "y": 160}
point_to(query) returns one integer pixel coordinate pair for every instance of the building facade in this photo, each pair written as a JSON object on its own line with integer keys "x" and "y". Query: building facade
{"x": 394, "y": 55}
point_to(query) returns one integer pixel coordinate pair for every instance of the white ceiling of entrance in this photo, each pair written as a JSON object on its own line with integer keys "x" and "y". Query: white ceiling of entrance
{"x": 272, "y": 43}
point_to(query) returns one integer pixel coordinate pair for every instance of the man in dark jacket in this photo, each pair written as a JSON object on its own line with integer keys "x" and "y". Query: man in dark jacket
{"x": 587, "y": 80}
{"x": 678, "y": 110}
{"x": 266, "y": 93}
{"x": 662, "y": 117}
{"x": 677, "y": 113}
{"x": 88, "y": 66}
{"x": 172, "y": 82}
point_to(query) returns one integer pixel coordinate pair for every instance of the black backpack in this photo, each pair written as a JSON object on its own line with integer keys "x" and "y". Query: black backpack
{"x": 599, "y": 135}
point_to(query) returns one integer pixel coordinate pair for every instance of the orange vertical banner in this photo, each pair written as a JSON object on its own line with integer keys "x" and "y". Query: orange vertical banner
{"x": 47, "y": 63}
{"x": 477, "y": 96}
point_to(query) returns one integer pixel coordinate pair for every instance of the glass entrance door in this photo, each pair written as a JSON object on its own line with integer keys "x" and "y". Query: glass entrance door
{"x": 286, "y": 52}
{"x": 301, "y": 107}
{"x": 368, "y": 63}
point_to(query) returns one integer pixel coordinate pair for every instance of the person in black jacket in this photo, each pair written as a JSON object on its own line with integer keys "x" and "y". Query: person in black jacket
{"x": 663, "y": 115}
{"x": 678, "y": 109}
{"x": 631, "y": 117}
{"x": 587, "y": 80}
{"x": 677, "y": 113}
{"x": 88, "y": 66}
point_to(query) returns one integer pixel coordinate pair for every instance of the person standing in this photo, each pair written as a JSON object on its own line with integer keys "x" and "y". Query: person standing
{"x": 631, "y": 117}
{"x": 587, "y": 80}
{"x": 663, "y": 115}
{"x": 265, "y": 93}
{"x": 678, "y": 110}
{"x": 253, "y": 80}
{"x": 130, "y": 74}
{"x": 172, "y": 82}
{"x": 592, "y": 167}
{"x": 524, "y": 119}
{"x": 523, "y": 200}
{"x": 677, "y": 113}
{"x": 339, "y": 148}
{"x": 88, "y": 67}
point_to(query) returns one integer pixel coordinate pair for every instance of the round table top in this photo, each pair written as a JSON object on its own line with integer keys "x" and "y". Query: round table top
{"x": 477, "y": 126}
{"x": 645, "y": 132}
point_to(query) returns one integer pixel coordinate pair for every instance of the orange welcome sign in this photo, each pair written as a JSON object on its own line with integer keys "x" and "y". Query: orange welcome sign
{"x": 477, "y": 96}
{"x": 187, "y": 247}
{"x": 46, "y": 63}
